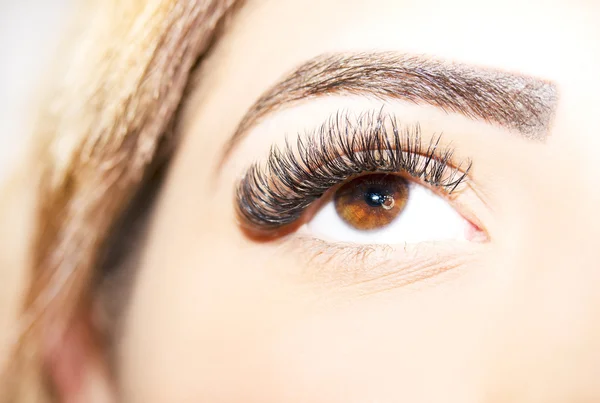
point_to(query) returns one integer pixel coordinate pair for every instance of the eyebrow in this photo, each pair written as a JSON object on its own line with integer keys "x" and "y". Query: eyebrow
{"x": 520, "y": 103}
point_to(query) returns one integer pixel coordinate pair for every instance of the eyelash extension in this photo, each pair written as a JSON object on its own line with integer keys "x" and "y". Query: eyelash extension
{"x": 276, "y": 193}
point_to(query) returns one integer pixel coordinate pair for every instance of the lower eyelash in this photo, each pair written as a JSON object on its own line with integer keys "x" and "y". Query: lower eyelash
{"x": 276, "y": 193}
{"x": 369, "y": 269}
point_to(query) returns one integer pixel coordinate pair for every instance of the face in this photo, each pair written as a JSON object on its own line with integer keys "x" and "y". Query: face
{"x": 411, "y": 216}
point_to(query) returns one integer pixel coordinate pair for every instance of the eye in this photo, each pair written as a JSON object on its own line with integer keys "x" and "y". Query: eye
{"x": 371, "y": 202}
{"x": 389, "y": 202}
{"x": 386, "y": 208}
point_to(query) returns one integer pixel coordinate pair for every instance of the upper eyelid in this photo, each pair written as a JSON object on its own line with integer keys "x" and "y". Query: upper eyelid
{"x": 372, "y": 127}
{"x": 262, "y": 201}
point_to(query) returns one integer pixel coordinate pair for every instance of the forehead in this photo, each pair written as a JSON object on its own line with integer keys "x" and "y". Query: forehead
{"x": 537, "y": 39}
{"x": 267, "y": 39}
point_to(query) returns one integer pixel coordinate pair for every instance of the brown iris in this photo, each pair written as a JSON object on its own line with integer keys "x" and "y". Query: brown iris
{"x": 371, "y": 201}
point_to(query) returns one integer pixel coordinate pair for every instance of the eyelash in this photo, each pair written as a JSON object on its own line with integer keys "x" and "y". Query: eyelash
{"x": 276, "y": 193}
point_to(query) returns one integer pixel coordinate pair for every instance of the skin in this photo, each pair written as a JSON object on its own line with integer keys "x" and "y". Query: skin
{"x": 216, "y": 315}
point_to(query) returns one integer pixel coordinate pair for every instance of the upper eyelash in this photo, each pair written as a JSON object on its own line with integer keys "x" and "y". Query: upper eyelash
{"x": 277, "y": 192}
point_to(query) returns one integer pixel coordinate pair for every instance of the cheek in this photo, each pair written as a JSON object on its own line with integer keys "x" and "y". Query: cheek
{"x": 235, "y": 331}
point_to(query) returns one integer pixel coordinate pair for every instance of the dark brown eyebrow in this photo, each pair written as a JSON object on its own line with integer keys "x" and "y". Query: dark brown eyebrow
{"x": 518, "y": 102}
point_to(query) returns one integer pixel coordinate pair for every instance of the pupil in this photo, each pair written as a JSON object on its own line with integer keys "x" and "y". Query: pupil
{"x": 374, "y": 198}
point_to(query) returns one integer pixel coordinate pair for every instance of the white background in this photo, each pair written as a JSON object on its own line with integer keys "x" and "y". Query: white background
{"x": 29, "y": 33}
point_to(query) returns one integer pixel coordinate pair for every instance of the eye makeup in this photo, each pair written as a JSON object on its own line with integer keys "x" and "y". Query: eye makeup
{"x": 277, "y": 192}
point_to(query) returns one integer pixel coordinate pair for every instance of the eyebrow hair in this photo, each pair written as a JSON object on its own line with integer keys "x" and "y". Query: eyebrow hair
{"x": 517, "y": 102}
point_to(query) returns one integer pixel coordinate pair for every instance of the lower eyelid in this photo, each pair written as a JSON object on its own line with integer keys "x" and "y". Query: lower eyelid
{"x": 368, "y": 269}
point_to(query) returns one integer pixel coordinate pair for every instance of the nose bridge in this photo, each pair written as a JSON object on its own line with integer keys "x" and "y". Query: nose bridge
{"x": 551, "y": 325}
{"x": 561, "y": 250}
{"x": 562, "y": 225}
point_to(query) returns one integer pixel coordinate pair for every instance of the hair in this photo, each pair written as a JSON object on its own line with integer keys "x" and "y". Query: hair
{"x": 101, "y": 128}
